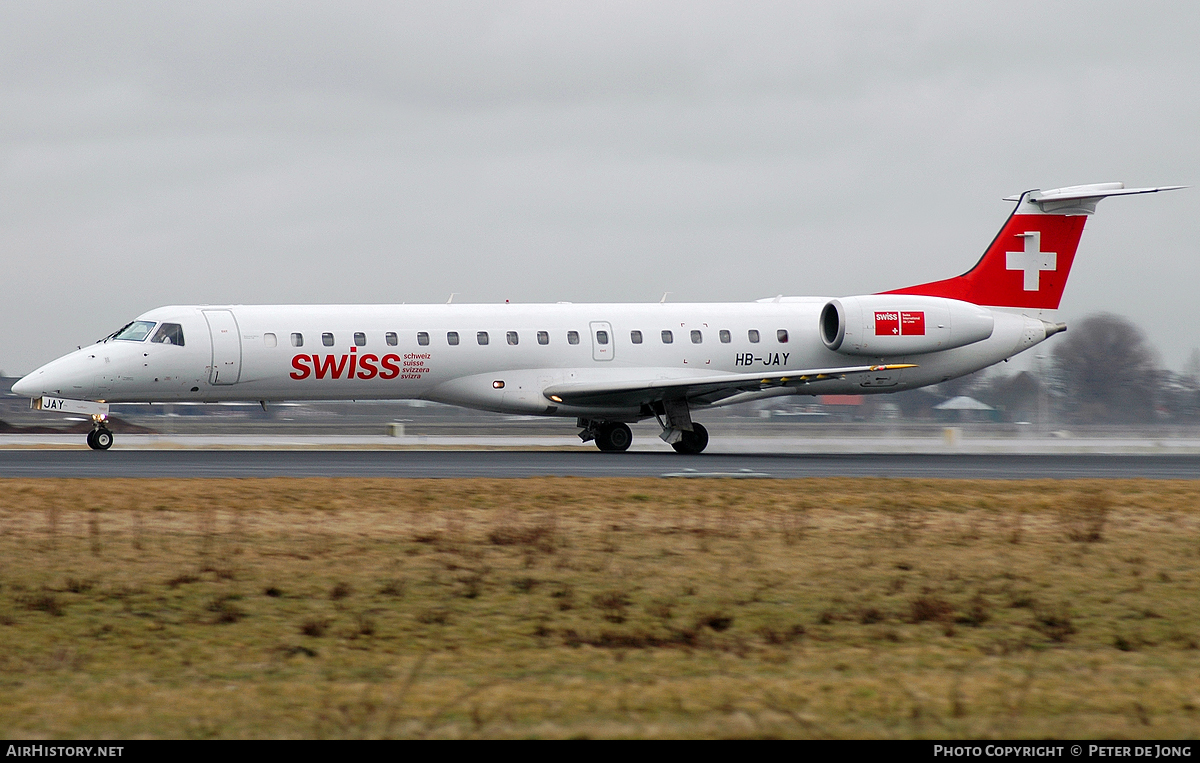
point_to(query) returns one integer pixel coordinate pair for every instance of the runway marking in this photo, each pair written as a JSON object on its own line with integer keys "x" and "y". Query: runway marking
{"x": 739, "y": 474}
{"x": 502, "y": 464}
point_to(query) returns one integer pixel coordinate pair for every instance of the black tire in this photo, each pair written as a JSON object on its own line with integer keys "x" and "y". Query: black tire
{"x": 103, "y": 439}
{"x": 692, "y": 442}
{"x": 91, "y": 439}
{"x": 614, "y": 437}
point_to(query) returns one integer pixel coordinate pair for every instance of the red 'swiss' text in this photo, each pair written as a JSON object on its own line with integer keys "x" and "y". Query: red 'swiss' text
{"x": 355, "y": 366}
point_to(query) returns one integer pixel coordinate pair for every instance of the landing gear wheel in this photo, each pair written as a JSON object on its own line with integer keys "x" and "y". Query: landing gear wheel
{"x": 100, "y": 439}
{"x": 614, "y": 438}
{"x": 692, "y": 442}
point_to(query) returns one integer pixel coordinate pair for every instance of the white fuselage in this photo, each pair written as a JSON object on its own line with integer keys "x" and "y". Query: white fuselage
{"x": 392, "y": 352}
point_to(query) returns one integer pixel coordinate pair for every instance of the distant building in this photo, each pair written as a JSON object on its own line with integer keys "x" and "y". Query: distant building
{"x": 963, "y": 408}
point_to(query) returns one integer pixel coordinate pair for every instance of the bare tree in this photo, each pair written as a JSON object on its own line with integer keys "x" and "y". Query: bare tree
{"x": 1107, "y": 370}
{"x": 1016, "y": 395}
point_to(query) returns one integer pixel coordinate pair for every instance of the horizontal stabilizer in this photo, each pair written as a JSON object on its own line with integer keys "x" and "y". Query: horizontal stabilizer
{"x": 1083, "y": 196}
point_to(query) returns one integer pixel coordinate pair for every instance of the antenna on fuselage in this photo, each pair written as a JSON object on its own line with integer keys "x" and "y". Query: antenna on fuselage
{"x": 663, "y": 301}
{"x": 453, "y": 294}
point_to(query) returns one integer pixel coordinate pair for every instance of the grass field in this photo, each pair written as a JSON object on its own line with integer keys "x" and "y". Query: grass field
{"x": 578, "y": 607}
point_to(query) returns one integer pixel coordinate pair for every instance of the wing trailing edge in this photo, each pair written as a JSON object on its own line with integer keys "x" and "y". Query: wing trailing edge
{"x": 627, "y": 393}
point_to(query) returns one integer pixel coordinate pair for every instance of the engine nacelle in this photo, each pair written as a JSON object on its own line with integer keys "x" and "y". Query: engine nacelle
{"x": 897, "y": 324}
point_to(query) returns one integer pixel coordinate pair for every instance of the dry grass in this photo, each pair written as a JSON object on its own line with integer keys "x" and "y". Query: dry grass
{"x": 575, "y": 607}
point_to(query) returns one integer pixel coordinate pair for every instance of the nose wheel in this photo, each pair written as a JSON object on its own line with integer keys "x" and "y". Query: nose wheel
{"x": 100, "y": 439}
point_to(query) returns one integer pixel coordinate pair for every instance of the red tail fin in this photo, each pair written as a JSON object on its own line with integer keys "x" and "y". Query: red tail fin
{"x": 1028, "y": 262}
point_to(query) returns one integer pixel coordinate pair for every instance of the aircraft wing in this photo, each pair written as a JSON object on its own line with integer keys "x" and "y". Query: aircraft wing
{"x": 701, "y": 389}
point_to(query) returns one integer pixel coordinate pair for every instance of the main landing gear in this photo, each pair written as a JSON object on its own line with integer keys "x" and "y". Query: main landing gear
{"x": 693, "y": 442}
{"x": 683, "y": 434}
{"x": 609, "y": 436}
{"x": 100, "y": 438}
{"x": 615, "y": 437}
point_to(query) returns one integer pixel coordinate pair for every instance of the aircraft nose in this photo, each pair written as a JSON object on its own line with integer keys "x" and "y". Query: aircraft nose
{"x": 26, "y": 386}
{"x": 68, "y": 377}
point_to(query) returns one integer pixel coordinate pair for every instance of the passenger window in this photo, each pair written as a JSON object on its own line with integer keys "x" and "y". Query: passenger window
{"x": 697, "y": 337}
{"x": 481, "y": 337}
{"x": 512, "y": 337}
{"x": 422, "y": 338}
{"x": 572, "y": 337}
{"x": 327, "y": 339}
{"x": 269, "y": 340}
{"x": 668, "y": 337}
{"x": 392, "y": 340}
{"x": 451, "y": 338}
{"x": 725, "y": 337}
{"x": 752, "y": 335}
{"x": 297, "y": 339}
{"x": 635, "y": 337}
{"x": 781, "y": 335}
{"x": 360, "y": 339}
{"x": 601, "y": 337}
{"x": 172, "y": 333}
{"x": 543, "y": 337}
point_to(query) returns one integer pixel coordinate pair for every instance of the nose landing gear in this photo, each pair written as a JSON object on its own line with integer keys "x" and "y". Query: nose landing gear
{"x": 100, "y": 438}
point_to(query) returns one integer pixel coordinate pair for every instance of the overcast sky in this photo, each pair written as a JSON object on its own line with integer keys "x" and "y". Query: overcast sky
{"x": 164, "y": 153}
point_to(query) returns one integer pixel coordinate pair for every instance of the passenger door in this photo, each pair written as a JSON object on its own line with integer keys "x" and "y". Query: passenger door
{"x": 226, "y": 347}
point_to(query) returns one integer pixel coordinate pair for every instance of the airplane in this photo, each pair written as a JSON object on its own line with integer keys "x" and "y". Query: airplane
{"x": 605, "y": 365}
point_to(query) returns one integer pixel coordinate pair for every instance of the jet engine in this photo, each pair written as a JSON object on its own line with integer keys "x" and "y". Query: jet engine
{"x": 896, "y": 324}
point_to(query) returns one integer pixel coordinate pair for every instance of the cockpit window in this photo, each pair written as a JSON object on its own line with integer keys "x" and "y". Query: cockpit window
{"x": 134, "y": 332}
{"x": 172, "y": 333}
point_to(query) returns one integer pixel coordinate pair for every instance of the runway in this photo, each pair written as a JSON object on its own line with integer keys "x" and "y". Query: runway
{"x": 580, "y": 463}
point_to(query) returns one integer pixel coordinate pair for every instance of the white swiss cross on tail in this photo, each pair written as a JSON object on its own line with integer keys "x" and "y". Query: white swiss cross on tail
{"x": 1032, "y": 261}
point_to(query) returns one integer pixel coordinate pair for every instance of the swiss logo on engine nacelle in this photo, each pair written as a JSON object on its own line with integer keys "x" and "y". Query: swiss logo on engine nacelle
{"x": 899, "y": 323}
